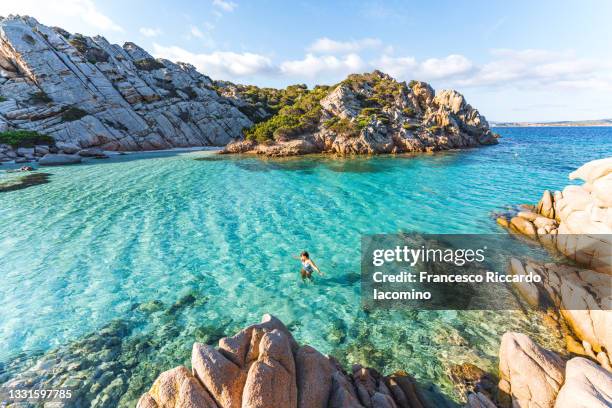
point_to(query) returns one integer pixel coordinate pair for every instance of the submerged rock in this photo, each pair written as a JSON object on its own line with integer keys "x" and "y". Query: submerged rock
{"x": 59, "y": 159}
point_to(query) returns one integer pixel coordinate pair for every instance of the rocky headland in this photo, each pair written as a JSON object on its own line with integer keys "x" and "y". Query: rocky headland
{"x": 368, "y": 113}
{"x": 62, "y": 93}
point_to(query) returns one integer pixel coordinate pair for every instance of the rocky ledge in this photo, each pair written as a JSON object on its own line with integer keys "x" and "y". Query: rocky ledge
{"x": 365, "y": 114}
{"x": 86, "y": 92}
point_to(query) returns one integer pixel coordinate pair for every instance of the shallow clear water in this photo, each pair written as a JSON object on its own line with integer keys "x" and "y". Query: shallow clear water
{"x": 99, "y": 239}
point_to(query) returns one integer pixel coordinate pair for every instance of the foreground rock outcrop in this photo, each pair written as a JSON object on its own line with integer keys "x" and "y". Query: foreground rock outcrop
{"x": 364, "y": 114}
{"x": 84, "y": 91}
{"x": 534, "y": 377}
{"x": 263, "y": 366}
{"x": 577, "y": 221}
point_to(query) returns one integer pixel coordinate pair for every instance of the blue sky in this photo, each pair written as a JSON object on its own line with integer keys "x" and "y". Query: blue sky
{"x": 520, "y": 60}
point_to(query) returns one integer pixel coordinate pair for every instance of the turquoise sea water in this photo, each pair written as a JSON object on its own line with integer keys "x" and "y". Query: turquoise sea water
{"x": 208, "y": 239}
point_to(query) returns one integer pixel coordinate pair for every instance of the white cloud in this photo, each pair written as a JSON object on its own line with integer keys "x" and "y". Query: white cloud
{"x": 450, "y": 66}
{"x": 433, "y": 68}
{"x": 73, "y": 15}
{"x": 542, "y": 68}
{"x": 313, "y": 65}
{"x": 225, "y": 5}
{"x": 219, "y": 64}
{"x": 150, "y": 32}
{"x": 195, "y": 32}
{"x": 328, "y": 46}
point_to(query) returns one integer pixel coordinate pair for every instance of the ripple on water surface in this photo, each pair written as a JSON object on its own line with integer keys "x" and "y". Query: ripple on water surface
{"x": 88, "y": 248}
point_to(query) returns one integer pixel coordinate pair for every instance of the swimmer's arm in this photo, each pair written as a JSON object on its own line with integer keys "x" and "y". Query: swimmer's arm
{"x": 316, "y": 267}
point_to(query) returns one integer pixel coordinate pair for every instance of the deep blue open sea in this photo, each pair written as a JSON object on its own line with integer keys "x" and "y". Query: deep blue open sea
{"x": 208, "y": 239}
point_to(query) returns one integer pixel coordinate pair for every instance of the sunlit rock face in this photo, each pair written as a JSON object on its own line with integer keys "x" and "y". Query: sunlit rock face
{"x": 87, "y": 92}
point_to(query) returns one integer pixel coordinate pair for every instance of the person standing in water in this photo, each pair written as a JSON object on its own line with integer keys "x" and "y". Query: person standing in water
{"x": 308, "y": 266}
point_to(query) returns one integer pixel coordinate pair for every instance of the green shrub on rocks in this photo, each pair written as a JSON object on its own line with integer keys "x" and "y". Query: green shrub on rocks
{"x": 300, "y": 114}
{"x": 79, "y": 42}
{"x": 342, "y": 126}
{"x": 25, "y": 138}
{"x": 73, "y": 113}
{"x": 149, "y": 64}
{"x": 40, "y": 97}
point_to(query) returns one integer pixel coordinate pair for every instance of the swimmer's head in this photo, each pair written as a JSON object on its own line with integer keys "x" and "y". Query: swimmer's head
{"x": 304, "y": 255}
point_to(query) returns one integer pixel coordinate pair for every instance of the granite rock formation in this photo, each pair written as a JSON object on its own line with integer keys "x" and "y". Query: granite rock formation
{"x": 83, "y": 92}
{"x": 263, "y": 366}
{"x": 366, "y": 114}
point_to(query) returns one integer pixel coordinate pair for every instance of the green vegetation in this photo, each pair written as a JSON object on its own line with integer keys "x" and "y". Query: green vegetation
{"x": 2, "y": 98}
{"x": 342, "y": 126}
{"x": 24, "y": 138}
{"x": 29, "y": 39}
{"x": 40, "y": 97}
{"x": 412, "y": 83}
{"x": 435, "y": 129}
{"x": 149, "y": 64}
{"x": 409, "y": 126}
{"x": 299, "y": 112}
{"x": 73, "y": 113}
{"x": 409, "y": 112}
{"x": 79, "y": 42}
{"x": 269, "y": 100}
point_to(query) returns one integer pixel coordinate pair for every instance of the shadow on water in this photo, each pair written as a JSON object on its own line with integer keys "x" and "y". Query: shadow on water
{"x": 29, "y": 180}
{"x": 267, "y": 165}
{"x": 336, "y": 164}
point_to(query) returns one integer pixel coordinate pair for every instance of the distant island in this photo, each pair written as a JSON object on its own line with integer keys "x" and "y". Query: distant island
{"x": 567, "y": 123}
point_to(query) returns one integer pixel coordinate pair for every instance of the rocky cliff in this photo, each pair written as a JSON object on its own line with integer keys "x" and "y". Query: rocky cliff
{"x": 84, "y": 92}
{"x": 364, "y": 114}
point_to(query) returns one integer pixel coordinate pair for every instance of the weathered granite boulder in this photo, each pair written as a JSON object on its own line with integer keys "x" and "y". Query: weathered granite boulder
{"x": 263, "y": 366}
{"x": 68, "y": 148}
{"x": 93, "y": 152}
{"x": 582, "y": 297}
{"x": 479, "y": 400}
{"x": 177, "y": 388}
{"x": 85, "y": 92}
{"x": 530, "y": 375}
{"x": 59, "y": 159}
{"x": 586, "y": 386}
